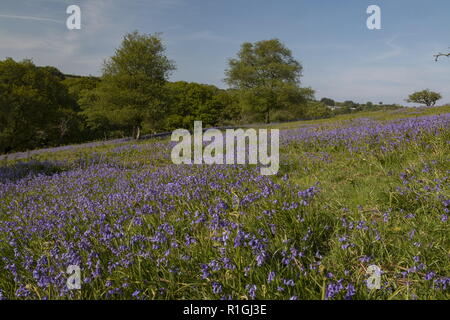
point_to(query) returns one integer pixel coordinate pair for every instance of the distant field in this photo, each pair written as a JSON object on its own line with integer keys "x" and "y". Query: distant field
{"x": 363, "y": 189}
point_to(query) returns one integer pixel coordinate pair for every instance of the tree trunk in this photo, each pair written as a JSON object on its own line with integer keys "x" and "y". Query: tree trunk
{"x": 136, "y": 132}
{"x": 268, "y": 117}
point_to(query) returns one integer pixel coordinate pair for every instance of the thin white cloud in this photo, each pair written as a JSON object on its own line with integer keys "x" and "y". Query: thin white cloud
{"x": 394, "y": 50}
{"x": 10, "y": 16}
{"x": 72, "y": 51}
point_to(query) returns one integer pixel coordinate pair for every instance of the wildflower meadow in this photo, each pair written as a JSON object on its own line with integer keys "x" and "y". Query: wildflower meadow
{"x": 353, "y": 191}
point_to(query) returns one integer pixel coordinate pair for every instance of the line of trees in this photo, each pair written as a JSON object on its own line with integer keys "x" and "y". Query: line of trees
{"x": 40, "y": 106}
{"x": 36, "y": 108}
{"x": 350, "y": 106}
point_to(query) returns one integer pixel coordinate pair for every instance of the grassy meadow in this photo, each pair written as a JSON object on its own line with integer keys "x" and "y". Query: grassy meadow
{"x": 369, "y": 188}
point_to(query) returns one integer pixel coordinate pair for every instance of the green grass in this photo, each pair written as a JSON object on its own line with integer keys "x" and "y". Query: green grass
{"x": 364, "y": 204}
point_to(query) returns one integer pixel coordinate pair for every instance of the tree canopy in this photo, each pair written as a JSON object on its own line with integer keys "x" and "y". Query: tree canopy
{"x": 267, "y": 75}
{"x": 190, "y": 101}
{"x": 132, "y": 88}
{"x": 328, "y": 101}
{"x": 426, "y": 97}
{"x": 35, "y": 108}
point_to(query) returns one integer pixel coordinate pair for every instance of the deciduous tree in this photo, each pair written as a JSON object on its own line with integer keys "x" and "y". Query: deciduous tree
{"x": 132, "y": 88}
{"x": 426, "y": 97}
{"x": 35, "y": 108}
{"x": 267, "y": 76}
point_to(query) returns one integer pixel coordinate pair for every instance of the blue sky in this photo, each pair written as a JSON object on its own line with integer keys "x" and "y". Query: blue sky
{"x": 342, "y": 59}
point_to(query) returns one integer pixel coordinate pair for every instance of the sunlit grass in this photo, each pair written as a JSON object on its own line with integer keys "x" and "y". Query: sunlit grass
{"x": 143, "y": 228}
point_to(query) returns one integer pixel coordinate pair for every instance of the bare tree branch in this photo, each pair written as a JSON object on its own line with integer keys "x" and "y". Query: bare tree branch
{"x": 436, "y": 56}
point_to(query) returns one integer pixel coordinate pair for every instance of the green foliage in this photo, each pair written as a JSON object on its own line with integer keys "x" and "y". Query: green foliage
{"x": 54, "y": 72}
{"x": 426, "y": 97}
{"x": 79, "y": 85}
{"x": 349, "y": 104}
{"x": 328, "y": 101}
{"x": 192, "y": 101}
{"x": 267, "y": 76}
{"x": 316, "y": 110}
{"x": 231, "y": 112}
{"x": 35, "y": 108}
{"x": 132, "y": 88}
{"x": 81, "y": 89}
